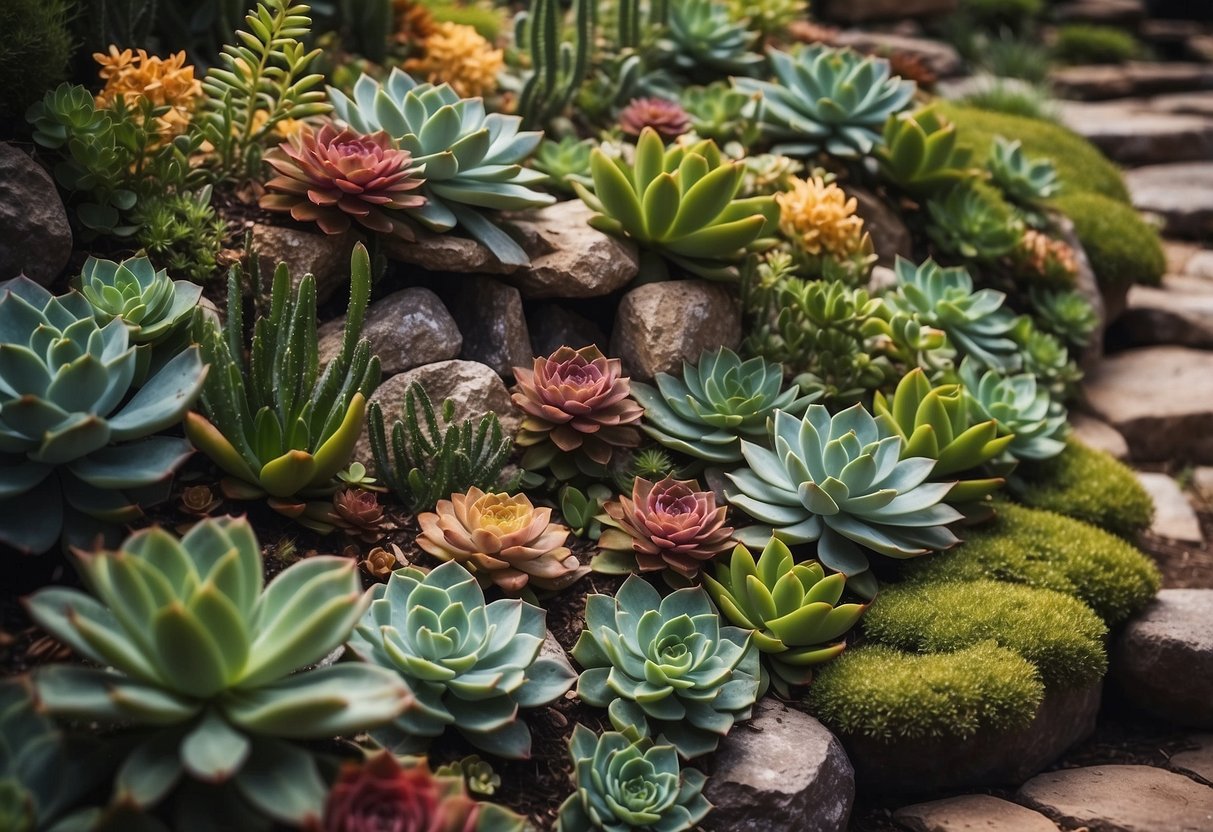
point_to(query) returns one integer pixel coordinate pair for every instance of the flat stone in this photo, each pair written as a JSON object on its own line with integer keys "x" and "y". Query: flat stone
{"x": 324, "y": 256}
{"x": 1197, "y": 762}
{"x": 1180, "y": 253}
{"x": 1099, "y": 435}
{"x": 660, "y": 325}
{"x": 1107, "y": 12}
{"x": 406, "y": 329}
{"x": 553, "y": 326}
{"x": 939, "y": 57}
{"x": 1200, "y": 264}
{"x": 569, "y": 258}
{"x": 890, "y": 235}
{"x": 859, "y": 11}
{"x": 1174, "y": 517}
{"x": 1184, "y": 103}
{"x": 35, "y": 238}
{"x": 1178, "y": 312}
{"x": 780, "y": 770}
{"x": 1160, "y": 400}
{"x": 1180, "y": 194}
{"x": 1163, "y": 658}
{"x": 972, "y": 813}
{"x": 489, "y": 313}
{"x": 1202, "y": 482}
{"x": 449, "y": 253}
{"x": 1131, "y": 133}
{"x": 1135, "y": 78}
{"x": 1121, "y": 799}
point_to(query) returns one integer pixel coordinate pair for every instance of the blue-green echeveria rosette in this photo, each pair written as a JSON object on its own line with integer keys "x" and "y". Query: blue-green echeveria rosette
{"x": 625, "y": 781}
{"x": 1021, "y": 406}
{"x": 838, "y": 481}
{"x": 666, "y": 666}
{"x": 71, "y": 441}
{"x": 469, "y": 664}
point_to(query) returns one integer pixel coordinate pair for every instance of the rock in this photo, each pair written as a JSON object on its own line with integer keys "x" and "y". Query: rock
{"x": 1130, "y": 133}
{"x": 1086, "y": 284}
{"x": 890, "y": 236}
{"x": 1184, "y": 103}
{"x": 1181, "y": 194}
{"x": 858, "y": 11}
{"x": 1200, "y": 265}
{"x": 1180, "y": 253}
{"x": 406, "y": 329}
{"x": 928, "y": 765}
{"x": 1197, "y": 762}
{"x": 937, "y": 56}
{"x": 325, "y": 256}
{"x": 1202, "y": 482}
{"x": 972, "y": 813}
{"x": 1160, "y": 400}
{"x": 489, "y": 313}
{"x": 1163, "y": 658}
{"x": 552, "y": 327}
{"x": 1098, "y": 435}
{"x": 551, "y": 649}
{"x": 1121, "y": 799}
{"x": 570, "y": 259}
{"x": 881, "y": 280}
{"x": 35, "y": 238}
{"x": 1107, "y": 12}
{"x": 1103, "y": 81}
{"x": 1179, "y": 312}
{"x": 1174, "y": 517}
{"x": 660, "y": 325}
{"x": 781, "y": 770}
{"x": 446, "y": 253}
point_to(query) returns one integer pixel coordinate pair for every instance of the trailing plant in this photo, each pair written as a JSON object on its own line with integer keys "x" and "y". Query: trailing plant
{"x": 189, "y": 644}
{"x": 920, "y": 152}
{"x": 702, "y": 37}
{"x": 666, "y": 666}
{"x": 1024, "y": 180}
{"x": 1020, "y": 406}
{"x": 559, "y": 64}
{"x": 974, "y": 222}
{"x": 469, "y": 665}
{"x": 427, "y": 460}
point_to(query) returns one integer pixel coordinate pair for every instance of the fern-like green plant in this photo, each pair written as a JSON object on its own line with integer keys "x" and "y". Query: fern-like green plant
{"x": 424, "y": 462}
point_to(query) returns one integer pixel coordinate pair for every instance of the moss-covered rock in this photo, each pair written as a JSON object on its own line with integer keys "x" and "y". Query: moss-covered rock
{"x": 1122, "y": 247}
{"x": 1047, "y": 550}
{"x": 1089, "y": 485}
{"x": 879, "y": 692}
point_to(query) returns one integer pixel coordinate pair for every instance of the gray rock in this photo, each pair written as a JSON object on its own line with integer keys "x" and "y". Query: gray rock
{"x": 1196, "y": 762}
{"x": 1136, "y": 78}
{"x": 890, "y": 236}
{"x": 1174, "y": 517}
{"x": 551, "y": 649}
{"x": 1180, "y": 194}
{"x": 1086, "y": 284}
{"x": 1108, "y": 12}
{"x": 447, "y": 253}
{"x": 489, "y": 313}
{"x": 552, "y": 327}
{"x": 1163, "y": 659}
{"x": 325, "y": 256}
{"x": 939, "y": 57}
{"x": 35, "y": 238}
{"x": 859, "y": 11}
{"x": 1178, "y": 312}
{"x": 1121, "y": 799}
{"x": 1098, "y": 435}
{"x": 1133, "y": 134}
{"x": 1184, "y": 103}
{"x": 406, "y": 329}
{"x": 660, "y": 325}
{"x": 569, "y": 259}
{"x": 970, "y": 813}
{"x": 781, "y": 770}
{"x": 1160, "y": 400}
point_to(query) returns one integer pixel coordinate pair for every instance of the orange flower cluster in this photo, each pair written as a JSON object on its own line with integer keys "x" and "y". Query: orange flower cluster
{"x": 413, "y": 22}
{"x": 1049, "y": 259}
{"x": 820, "y": 218}
{"x": 458, "y": 55}
{"x": 169, "y": 83}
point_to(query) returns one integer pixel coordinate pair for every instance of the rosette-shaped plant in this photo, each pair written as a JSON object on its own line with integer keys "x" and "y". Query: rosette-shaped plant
{"x": 975, "y": 321}
{"x": 153, "y": 306}
{"x": 626, "y": 782}
{"x": 920, "y": 154}
{"x": 680, "y": 203}
{"x": 1046, "y": 357}
{"x": 337, "y": 176}
{"x": 1066, "y": 314}
{"x": 1021, "y": 407}
{"x": 358, "y": 512}
{"x": 666, "y": 117}
{"x": 791, "y": 608}
{"x": 501, "y": 539}
{"x": 670, "y": 524}
{"x": 473, "y": 159}
{"x": 839, "y": 480}
{"x": 379, "y": 794}
{"x": 721, "y": 113}
{"x": 564, "y": 162}
{"x": 717, "y": 403}
{"x": 468, "y": 664}
{"x": 666, "y": 664}
{"x": 577, "y": 411}
{"x": 974, "y": 222}
{"x": 1020, "y": 178}
{"x": 72, "y": 444}
{"x": 702, "y": 36}
{"x": 187, "y": 641}
{"x": 938, "y": 423}
{"x": 828, "y": 99}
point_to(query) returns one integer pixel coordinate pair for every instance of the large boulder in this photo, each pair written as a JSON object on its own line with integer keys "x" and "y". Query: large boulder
{"x": 325, "y": 256}
{"x": 1121, "y": 799}
{"x": 489, "y": 313}
{"x": 405, "y": 329}
{"x": 570, "y": 259}
{"x": 660, "y": 325}
{"x": 780, "y": 770}
{"x": 1180, "y": 194}
{"x": 35, "y": 238}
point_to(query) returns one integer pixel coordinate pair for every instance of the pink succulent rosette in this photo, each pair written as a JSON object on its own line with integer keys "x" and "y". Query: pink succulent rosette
{"x": 666, "y": 117}
{"x": 380, "y": 796}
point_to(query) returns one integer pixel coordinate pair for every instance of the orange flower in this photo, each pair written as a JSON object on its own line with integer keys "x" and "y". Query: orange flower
{"x": 164, "y": 82}
{"x": 458, "y": 55}
{"x": 820, "y": 218}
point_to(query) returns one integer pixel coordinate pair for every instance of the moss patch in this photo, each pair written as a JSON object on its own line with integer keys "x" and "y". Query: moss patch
{"x": 1123, "y": 248}
{"x": 1046, "y": 550}
{"x": 1089, "y": 485}
{"x": 883, "y": 693}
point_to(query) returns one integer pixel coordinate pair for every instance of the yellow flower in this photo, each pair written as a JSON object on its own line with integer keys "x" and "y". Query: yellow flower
{"x": 458, "y": 55}
{"x": 820, "y": 218}
{"x": 169, "y": 83}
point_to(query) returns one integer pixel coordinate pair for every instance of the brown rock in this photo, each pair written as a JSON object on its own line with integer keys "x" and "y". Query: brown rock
{"x": 937, "y": 56}
{"x": 1197, "y": 762}
{"x": 1181, "y": 194}
{"x": 858, "y": 11}
{"x": 1174, "y": 517}
{"x": 1107, "y": 12}
{"x": 325, "y": 256}
{"x": 890, "y": 236}
{"x": 445, "y": 253}
{"x": 1086, "y": 284}
{"x": 406, "y": 329}
{"x": 1179, "y": 312}
{"x": 1103, "y": 81}
{"x": 569, "y": 259}
{"x": 1098, "y": 435}
{"x": 1184, "y": 103}
{"x": 553, "y": 326}
{"x": 489, "y": 313}
{"x": 35, "y": 238}
{"x": 972, "y": 813}
{"x": 1121, "y": 799}
{"x": 1133, "y": 134}
{"x": 660, "y": 325}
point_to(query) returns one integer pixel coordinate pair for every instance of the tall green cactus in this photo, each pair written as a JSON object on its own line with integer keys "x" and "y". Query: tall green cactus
{"x": 558, "y": 68}
{"x": 369, "y": 24}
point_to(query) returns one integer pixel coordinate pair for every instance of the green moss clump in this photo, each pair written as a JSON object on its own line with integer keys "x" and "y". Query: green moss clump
{"x": 1122, "y": 247}
{"x": 879, "y": 692}
{"x": 1084, "y": 43}
{"x": 1046, "y": 550}
{"x": 485, "y": 19}
{"x": 1089, "y": 485}
{"x": 1057, "y": 633}
{"x": 37, "y": 48}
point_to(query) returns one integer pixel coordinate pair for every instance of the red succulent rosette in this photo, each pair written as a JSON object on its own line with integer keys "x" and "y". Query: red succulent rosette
{"x": 666, "y": 117}
{"x": 380, "y": 796}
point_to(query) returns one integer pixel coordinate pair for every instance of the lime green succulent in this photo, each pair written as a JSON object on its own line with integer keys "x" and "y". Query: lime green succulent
{"x": 1066, "y": 314}
{"x": 473, "y": 159}
{"x": 791, "y": 608}
{"x": 826, "y": 99}
{"x": 1020, "y": 178}
{"x": 721, "y": 113}
{"x": 1021, "y": 407}
{"x": 74, "y": 443}
{"x": 920, "y": 153}
{"x": 564, "y": 162}
{"x": 680, "y": 203}
{"x": 666, "y": 663}
{"x": 188, "y": 643}
{"x": 701, "y": 36}
{"x": 1046, "y": 357}
{"x": 716, "y": 404}
{"x": 625, "y": 781}
{"x": 974, "y": 222}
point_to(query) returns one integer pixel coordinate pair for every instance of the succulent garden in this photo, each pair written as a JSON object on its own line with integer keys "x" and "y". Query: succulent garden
{"x": 490, "y": 416}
